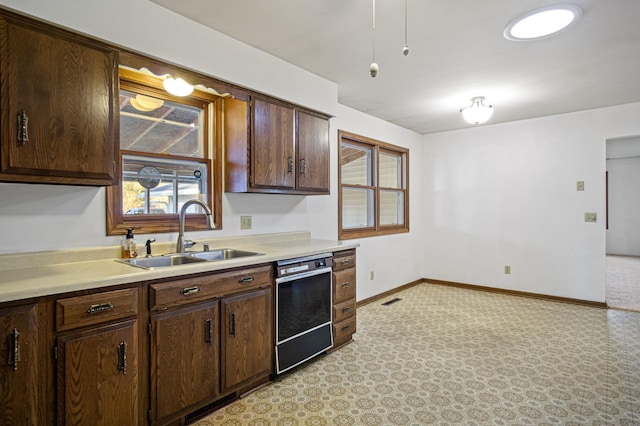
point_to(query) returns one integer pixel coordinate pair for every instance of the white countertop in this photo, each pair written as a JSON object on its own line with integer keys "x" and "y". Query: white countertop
{"x": 36, "y": 275}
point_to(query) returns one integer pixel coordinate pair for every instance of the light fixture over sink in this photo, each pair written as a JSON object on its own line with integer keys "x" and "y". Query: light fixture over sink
{"x": 478, "y": 112}
{"x": 177, "y": 86}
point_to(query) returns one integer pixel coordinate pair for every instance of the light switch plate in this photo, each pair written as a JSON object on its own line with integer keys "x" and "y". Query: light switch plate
{"x": 580, "y": 185}
{"x": 590, "y": 217}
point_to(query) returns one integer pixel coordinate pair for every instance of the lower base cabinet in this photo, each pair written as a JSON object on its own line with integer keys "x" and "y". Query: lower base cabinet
{"x": 98, "y": 376}
{"x": 18, "y": 365}
{"x": 184, "y": 360}
{"x": 247, "y": 338}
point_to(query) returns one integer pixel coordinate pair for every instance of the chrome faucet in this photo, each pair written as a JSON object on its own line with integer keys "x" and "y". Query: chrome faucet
{"x": 181, "y": 244}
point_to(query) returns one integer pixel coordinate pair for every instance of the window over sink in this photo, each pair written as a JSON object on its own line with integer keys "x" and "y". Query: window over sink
{"x": 169, "y": 154}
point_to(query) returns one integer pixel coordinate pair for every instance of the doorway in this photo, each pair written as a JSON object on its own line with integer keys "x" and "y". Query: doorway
{"x": 622, "y": 290}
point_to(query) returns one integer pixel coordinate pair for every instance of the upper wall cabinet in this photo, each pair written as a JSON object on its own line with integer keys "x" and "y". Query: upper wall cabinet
{"x": 272, "y": 147}
{"x": 58, "y": 90}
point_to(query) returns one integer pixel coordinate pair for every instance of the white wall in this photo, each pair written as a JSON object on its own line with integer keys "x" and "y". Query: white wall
{"x": 623, "y": 235}
{"x": 48, "y": 217}
{"x": 394, "y": 259}
{"x": 506, "y": 195}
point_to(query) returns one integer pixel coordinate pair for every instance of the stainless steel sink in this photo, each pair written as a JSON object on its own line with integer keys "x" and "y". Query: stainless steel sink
{"x": 161, "y": 261}
{"x": 222, "y": 254}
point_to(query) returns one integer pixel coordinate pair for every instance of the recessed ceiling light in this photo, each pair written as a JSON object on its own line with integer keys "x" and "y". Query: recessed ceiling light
{"x": 542, "y": 22}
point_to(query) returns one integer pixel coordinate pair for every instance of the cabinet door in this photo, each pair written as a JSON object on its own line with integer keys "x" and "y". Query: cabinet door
{"x": 18, "y": 365}
{"x": 312, "y": 144}
{"x": 272, "y": 146}
{"x": 58, "y": 105}
{"x": 98, "y": 376}
{"x": 184, "y": 360}
{"x": 247, "y": 337}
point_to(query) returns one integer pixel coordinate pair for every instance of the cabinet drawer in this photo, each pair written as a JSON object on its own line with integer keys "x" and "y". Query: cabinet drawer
{"x": 343, "y": 329}
{"x": 344, "y": 259}
{"x": 344, "y": 310}
{"x": 344, "y": 285}
{"x": 167, "y": 294}
{"x": 96, "y": 308}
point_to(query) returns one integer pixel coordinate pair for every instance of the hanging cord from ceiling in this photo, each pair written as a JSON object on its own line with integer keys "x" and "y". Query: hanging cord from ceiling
{"x": 373, "y": 69}
{"x": 405, "y": 49}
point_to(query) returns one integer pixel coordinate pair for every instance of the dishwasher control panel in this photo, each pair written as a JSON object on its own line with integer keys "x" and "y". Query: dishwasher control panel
{"x": 303, "y": 264}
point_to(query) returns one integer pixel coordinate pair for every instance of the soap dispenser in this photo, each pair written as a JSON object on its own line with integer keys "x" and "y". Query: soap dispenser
{"x": 129, "y": 248}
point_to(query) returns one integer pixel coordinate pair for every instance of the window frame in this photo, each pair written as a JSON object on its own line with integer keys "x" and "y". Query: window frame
{"x": 117, "y": 222}
{"x": 376, "y": 147}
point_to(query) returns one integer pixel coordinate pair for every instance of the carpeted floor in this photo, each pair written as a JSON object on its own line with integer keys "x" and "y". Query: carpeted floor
{"x": 623, "y": 282}
{"x": 446, "y": 355}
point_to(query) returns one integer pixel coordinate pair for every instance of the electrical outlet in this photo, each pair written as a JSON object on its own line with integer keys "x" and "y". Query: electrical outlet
{"x": 590, "y": 217}
{"x": 371, "y": 275}
{"x": 580, "y": 185}
{"x": 245, "y": 222}
{"x": 507, "y": 269}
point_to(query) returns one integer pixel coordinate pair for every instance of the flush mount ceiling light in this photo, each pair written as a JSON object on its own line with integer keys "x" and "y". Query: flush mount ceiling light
{"x": 543, "y": 22}
{"x": 478, "y": 112}
{"x": 177, "y": 86}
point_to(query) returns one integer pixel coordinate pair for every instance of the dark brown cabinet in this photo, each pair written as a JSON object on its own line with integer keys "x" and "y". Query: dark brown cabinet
{"x": 98, "y": 376}
{"x": 344, "y": 297}
{"x": 273, "y": 147}
{"x": 184, "y": 360}
{"x": 247, "y": 338}
{"x": 59, "y": 94}
{"x": 97, "y": 354}
{"x": 19, "y": 366}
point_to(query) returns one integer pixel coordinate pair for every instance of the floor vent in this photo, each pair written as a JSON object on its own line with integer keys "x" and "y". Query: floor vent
{"x": 388, "y": 302}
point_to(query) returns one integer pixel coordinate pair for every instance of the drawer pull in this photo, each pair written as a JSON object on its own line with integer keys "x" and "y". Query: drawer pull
{"x": 347, "y": 309}
{"x": 190, "y": 290}
{"x": 346, "y": 262}
{"x": 246, "y": 280}
{"x": 14, "y": 354}
{"x": 122, "y": 357}
{"x": 100, "y": 307}
{"x": 346, "y": 327}
{"x": 346, "y": 284}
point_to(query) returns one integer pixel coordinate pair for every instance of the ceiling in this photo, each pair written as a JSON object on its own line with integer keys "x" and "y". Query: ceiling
{"x": 457, "y": 51}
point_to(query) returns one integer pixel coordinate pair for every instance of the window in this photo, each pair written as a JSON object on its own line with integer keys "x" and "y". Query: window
{"x": 169, "y": 154}
{"x": 374, "y": 191}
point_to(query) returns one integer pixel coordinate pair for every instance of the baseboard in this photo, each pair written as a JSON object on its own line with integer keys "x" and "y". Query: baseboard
{"x": 482, "y": 288}
{"x": 388, "y": 293}
{"x": 517, "y": 293}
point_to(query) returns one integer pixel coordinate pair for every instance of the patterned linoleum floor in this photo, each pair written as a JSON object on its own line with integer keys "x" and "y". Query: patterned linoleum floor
{"x": 452, "y": 356}
{"x": 623, "y": 282}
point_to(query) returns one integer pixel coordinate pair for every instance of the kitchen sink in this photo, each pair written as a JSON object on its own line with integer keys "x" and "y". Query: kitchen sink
{"x": 161, "y": 261}
{"x": 222, "y": 254}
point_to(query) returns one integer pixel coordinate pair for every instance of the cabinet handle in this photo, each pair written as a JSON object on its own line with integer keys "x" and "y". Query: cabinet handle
{"x": 207, "y": 331}
{"x": 232, "y": 326}
{"x": 100, "y": 307}
{"x": 303, "y": 166}
{"x": 23, "y": 127}
{"x": 246, "y": 280}
{"x": 122, "y": 357}
{"x": 290, "y": 165}
{"x": 346, "y": 284}
{"x": 190, "y": 290}
{"x": 14, "y": 353}
{"x": 346, "y": 262}
{"x": 346, "y": 327}
{"x": 345, "y": 310}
